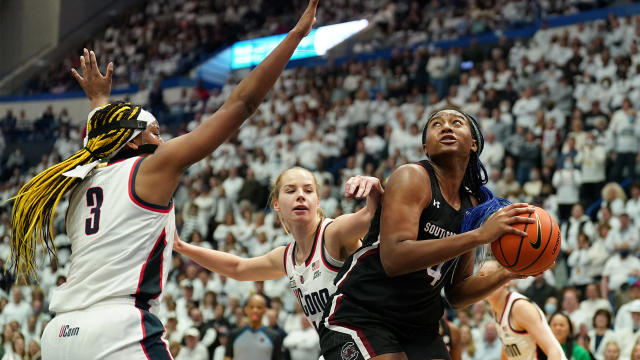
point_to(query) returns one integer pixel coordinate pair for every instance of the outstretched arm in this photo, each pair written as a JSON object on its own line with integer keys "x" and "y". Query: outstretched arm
{"x": 159, "y": 174}
{"x": 344, "y": 234}
{"x": 266, "y": 267}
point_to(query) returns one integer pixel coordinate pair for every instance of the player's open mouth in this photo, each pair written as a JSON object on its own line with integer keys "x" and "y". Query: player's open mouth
{"x": 300, "y": 209}
{"x": 448, "y": 139}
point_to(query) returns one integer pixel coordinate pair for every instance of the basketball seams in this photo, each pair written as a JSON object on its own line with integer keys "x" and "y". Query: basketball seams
{"x": 519, "y": 248}
{"x": 551, "y": 232}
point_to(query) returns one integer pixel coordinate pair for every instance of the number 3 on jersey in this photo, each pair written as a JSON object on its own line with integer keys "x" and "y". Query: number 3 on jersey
{"x": 435, "y": 273}
{"x": 94, "y": 201}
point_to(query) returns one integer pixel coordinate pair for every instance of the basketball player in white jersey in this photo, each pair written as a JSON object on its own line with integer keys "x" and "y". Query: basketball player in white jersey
{"x": 522, "y": 326}
{"x": 121, "y": 219}
{"x": 319, "y": 247}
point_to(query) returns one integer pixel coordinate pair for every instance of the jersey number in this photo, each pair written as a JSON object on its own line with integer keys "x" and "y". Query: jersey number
{"x": 94, "y": 201}
{"x": 435, "y": 273}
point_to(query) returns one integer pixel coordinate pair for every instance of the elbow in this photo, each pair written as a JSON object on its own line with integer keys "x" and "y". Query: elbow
{"x": 455, "y": 302}
{"x": 388, "y": 264}
{"x": 248, "y": 104}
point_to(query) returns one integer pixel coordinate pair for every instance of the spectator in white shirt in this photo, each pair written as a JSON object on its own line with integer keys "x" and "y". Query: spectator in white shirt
{"x": 626, "y": 233}
{"x": 193, "y": 349}
{"x": 617, "y": 269}
{"x": 592, "y": 159}
{"x": 579, "y": 261}
{"x": 594, "y": 302}
{"x": 304, "y": 343}
{"x": 571, "y": 307}
{"x": 623, "y": 316}
{"x": 525, "y": 109}
{"x": 625, "y": 129}
{"x": 632, "y": 206}
{"x": 566, "y": 181}
{"x": 233, "y": 184}
{"x": 18, "y": 309}
{"x": 490, "y": 348}
{"x": 578, "y": 223}
{"x": 493, "y": 152}
{"x": 374, "y": 144}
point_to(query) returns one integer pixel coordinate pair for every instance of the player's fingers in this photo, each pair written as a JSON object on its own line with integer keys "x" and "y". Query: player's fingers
{"x": 94, "y": 62}
{"x": 520, "y": 220}
{"x": 76, "y": 75}
{"x": 365, "y": 189}
{"x": 83, "y": 65}
{"x": 520, "y": 211}
{"x": 356, "y": 183}
{"x": 87, "y": 59}
{"x": 379, "y": 187}
{"x": 515, "y": 205}
{"x": 514, "y": 231}
{"x": 347, "y": 187}
{"x": 109, "y": 70}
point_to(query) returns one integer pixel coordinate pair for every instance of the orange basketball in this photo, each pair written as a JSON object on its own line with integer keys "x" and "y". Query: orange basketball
{"x": 534, "y": 253}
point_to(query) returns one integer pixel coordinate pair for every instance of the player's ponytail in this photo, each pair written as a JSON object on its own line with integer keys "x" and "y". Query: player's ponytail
{"x": 34, "y": 205}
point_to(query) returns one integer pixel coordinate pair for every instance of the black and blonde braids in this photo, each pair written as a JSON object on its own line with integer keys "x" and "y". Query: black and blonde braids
{"x": 34, "y": 205}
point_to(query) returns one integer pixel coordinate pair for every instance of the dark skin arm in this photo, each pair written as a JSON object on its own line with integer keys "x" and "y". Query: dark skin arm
{"x": 401, "y": 253}
{"x": 467, "y": 289}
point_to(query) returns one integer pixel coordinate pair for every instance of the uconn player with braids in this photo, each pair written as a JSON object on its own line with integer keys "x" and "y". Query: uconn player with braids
{"x": 388, "y": 304}
{"x": 319, "y": 247}
{"x": 121, "y": 218}
{"x": 522, "y": 326}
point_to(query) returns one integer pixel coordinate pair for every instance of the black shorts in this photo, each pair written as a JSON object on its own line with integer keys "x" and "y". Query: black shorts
{"x": 356, "y": 334}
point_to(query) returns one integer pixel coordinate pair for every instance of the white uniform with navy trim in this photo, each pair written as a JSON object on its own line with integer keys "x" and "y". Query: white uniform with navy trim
{"x": 518, "y": 345}
{"x": 120, "y": 259}
{"x": 312, "y": 282}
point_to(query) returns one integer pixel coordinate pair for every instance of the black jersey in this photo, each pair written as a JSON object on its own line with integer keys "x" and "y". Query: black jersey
{"x": 409, "y": 302}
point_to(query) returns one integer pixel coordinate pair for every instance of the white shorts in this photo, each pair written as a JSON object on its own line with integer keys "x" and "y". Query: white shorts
{"x": 105, "y": 331}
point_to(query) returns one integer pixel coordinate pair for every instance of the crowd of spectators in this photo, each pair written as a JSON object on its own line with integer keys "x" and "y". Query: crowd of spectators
{"x": 559, "y": 114}
{"x": 164, "y": 38}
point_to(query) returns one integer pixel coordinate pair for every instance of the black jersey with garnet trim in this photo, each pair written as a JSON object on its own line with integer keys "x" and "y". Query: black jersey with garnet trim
{"x": 412, "y": 301}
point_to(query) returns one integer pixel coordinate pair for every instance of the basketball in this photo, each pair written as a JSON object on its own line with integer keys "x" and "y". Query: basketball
{"x": 534, "y": 253}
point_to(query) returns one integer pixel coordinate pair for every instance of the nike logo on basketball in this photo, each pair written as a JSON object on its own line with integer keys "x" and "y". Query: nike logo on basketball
{"x": 536, "y": 245}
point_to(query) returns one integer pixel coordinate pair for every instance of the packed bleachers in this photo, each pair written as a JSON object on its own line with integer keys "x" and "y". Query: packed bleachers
{"x": 559, "y": 114}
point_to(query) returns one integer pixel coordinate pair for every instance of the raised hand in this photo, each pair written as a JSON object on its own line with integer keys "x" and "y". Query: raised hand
{"x": 359, "y": 187}
{"x": 96, "y": 86}
{"x": 501, "y": 222}
{"x": 308, "y": 18}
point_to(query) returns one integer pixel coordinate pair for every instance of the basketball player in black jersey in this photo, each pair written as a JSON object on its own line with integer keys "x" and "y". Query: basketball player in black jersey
{"x": 388, "y": 303}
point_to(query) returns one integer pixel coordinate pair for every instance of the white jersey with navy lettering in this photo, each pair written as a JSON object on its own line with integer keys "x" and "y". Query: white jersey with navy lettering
{"x": 518, "y": 344}
{"x": 312, "y": 281}
{"x": 120, "y": 245}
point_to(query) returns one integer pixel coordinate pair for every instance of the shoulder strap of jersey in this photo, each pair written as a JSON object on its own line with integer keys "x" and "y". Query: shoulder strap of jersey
{"x": 328, "y": 261}
{"x": 286, "y": 252}
{"x": 435, "y": 188}
{"x": 515, "y": 297}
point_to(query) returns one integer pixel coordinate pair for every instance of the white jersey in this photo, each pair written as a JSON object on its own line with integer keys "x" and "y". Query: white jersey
{"x": 518, "y": 344}
{"x": 312, "y": 282}
{"x": 120, "y": 245}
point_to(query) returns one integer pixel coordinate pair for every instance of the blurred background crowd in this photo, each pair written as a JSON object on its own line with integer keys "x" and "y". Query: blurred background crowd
{"x": 558, "y": 112}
